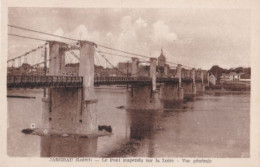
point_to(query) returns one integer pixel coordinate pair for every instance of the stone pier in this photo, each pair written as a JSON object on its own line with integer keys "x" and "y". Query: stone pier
{"x": 173, "y": 92}
{"x": 200, "y": 86}
{"x": 193, "y": 73}
{"x": 134, "y": 72}
{"x": 71, "y": 110}
{"x": 190, "y": 87}
{"x": 153, "y": 72}
{"x": 143, "y": 96}
{"x": 165, "y": 72}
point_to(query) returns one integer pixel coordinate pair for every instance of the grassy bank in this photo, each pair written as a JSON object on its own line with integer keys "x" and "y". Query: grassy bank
{"x": 231, "y": 86}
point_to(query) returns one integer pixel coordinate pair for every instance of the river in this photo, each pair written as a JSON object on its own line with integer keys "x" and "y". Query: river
{"x": 216, "y": 124}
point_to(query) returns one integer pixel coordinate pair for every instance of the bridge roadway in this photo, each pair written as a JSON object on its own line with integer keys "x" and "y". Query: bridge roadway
{"x": 30, "y": 81}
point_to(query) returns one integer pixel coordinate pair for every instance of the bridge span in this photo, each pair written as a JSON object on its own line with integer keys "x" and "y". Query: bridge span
{"x": 27, "y": 81}
{"x": 78, "y": 114}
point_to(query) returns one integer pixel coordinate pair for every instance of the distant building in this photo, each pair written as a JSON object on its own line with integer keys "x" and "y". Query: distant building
{"x": 186, "y": 73}
{"x": 26, "y": 69}
{"x": 72, "y": 69}
{"x": 144, "y": 71}
{"x": 172, "y": 73}
{"x": 161, "y": 60}
{"x": 198, "y": 73}
{"x": 37, "y": 71}
{"x": 161, "y": 64}
{"x": 125, "y": 67}
{"x": 245, "y": 77}
{"x": 232, "y": 76}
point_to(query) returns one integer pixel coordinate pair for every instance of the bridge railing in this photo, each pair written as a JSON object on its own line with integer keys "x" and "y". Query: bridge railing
{"x": 120, "y": 80}
{"x": 33, "y": 81}
{"x": 145, "y": 80}
{"x": 43, "y": 81}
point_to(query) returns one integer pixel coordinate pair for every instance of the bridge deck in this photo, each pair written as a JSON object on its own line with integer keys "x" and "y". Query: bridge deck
{"x": 26, "y": 81}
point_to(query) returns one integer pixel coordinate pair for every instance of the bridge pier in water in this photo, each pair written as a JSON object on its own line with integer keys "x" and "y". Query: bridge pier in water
{"x": 190, "y": 89}
{"x": 71, "y": 110}
{"x": 143, "y": 96}
{"x": 200, "y": 84}
{"x": 173, "y": 92}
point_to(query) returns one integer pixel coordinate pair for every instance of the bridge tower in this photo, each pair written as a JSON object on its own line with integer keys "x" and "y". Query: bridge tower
{"x": 71, "y": 110}
{"x": 153, "y": 72}
{"x": 193, "y": 75}
{"x": 134, "y": 72}
{"x": 200, "y": 86}
{"x": 166, "y": 68}
{"x": 173, "y": 92}
{"x": 143, "y": 96}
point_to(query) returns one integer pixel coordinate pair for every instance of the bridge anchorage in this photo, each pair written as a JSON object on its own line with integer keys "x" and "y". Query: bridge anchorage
{"x": 69, "y": 106}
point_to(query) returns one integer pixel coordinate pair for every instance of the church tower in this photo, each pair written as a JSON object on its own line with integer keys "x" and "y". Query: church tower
{"x": 161, "y": 59}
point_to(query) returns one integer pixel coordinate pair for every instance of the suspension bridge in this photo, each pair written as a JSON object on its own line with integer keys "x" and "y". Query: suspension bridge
{"x": 72, "y": 70}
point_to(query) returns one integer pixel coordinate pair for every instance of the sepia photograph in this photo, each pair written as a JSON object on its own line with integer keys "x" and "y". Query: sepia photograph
{"x": 119, "y": 82}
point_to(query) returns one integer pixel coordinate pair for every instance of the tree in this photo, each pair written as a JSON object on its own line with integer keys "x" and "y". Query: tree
{"x": 217, "y": 71}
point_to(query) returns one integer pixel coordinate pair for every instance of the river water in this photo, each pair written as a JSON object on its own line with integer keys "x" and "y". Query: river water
{"x": 216, "y": 124}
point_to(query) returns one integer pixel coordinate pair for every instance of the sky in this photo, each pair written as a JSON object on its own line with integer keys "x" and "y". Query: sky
{"x": 197, "y": 38}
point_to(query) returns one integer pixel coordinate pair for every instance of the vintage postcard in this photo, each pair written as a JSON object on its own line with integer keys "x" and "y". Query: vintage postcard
{"x": 128, "y": 83}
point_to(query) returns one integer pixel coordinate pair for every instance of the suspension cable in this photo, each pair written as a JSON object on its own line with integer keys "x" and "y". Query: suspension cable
{"x": 27, "y": 29}
{"x": 33, "y": 50}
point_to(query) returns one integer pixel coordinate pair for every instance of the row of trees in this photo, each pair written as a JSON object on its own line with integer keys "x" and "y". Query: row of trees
{"x": 217, "y": 71}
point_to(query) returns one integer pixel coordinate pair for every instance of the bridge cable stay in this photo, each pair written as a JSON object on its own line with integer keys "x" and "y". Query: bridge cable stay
{"x": 123, "y": 51}
{"x": 36, "y": 48}
{"x": 119, "y": 55}
{"x": 40, "y": 57}
{"x": 117, "y": 67}
{"x": 139, "y": 70}
{"x": 95, "y": 61}
{"x": 112, "y": 64}
{"x": 98, "y": 60}
{"x": 25, "y": 54}
{"x": 27, "y": 29}
{"x": 143, "y": 56}
{"x": 104, "y": 57}
{"x": 70, "y": 58}
{"x": 50, "y": 59}
{"x": 33, "y": 57}
{"x": 67, "y": 61}
{"x": 59, "y": 36}
{"x": 74, "y": 54}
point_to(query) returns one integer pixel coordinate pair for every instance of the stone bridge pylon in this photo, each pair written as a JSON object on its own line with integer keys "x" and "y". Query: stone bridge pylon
{"x": 71, "y": 110}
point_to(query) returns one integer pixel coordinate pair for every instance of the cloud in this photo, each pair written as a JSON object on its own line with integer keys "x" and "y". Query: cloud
{"x": 140, "y": 23}
{"x": 59, "y": 32}
{"x": 126, "y": 23}
{"x": 134, "y": 35}
{"x": 161, "y": 32}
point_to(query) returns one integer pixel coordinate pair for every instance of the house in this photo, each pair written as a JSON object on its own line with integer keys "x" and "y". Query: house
{"x": 212, "y": 79}
{"x": 245, "y": 77}
{"x": 72, "y": 69}
{"x": 232, "y": 76}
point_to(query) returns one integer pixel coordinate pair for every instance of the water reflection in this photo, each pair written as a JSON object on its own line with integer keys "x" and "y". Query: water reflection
{"x": 143, "y": 125}
{"x": 214, "y": 125}
{"x": 68, "y": 147}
